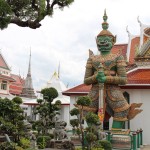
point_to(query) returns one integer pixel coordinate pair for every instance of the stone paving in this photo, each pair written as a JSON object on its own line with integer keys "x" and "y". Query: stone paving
{"x": 144, "y": 148}
{"x": 147, "y": 147}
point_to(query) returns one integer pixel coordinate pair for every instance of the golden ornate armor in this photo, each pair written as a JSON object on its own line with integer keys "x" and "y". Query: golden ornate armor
{"x": 115, "y": 72}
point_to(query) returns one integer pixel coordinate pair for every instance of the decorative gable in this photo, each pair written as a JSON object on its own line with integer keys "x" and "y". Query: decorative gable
{"x": 143, "y": 58}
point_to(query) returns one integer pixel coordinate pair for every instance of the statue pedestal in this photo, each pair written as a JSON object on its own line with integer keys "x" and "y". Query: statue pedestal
{"x": 62, "y": 144}
{"x": 121, "y": 141}
{"x": 125, "y": 139}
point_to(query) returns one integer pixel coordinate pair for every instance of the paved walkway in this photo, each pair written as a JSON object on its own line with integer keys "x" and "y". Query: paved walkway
{"x": 147, "y": 147}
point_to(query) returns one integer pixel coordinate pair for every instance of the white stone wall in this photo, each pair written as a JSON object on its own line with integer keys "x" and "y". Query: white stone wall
{"x": 142, "y": 120}
{"x": 72, "y": 102}
{"x": 65, "y": 116}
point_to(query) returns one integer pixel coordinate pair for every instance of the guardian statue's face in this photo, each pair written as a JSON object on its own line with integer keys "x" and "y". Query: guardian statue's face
{"x": 104, "y": 43}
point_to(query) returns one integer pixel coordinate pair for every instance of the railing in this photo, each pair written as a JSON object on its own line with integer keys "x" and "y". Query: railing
{"x": 131, "y": 141}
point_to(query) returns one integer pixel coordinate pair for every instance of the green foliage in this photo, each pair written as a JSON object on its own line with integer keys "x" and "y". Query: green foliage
{"x": 46, "y": 110}
{"x": 42, "y": 141}
{"x": 5, "y": 12}
{"x": 11, "y": 118}
{"x": 24, "y": 143}
{"x": 27, "y": 13}
{"x": 84, "y": 101}
{"x": 106, "y": 145}
{"x": 74, "y": 111}
{"x": 39, "y": 101}
{"x": 74, "y": 122}
{"x": 49, "y": 94}
{"x": 90, "y": 137}
{"x": 17, "y": 100}
{"x": 91, "y": 118}
{"x": 9, "y": 146}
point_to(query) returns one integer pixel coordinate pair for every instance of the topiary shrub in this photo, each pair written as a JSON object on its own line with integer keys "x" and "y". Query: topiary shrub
{"x": 43, "y": 141}
{"x": 24, "y": 143}
{"x": 106, "y": 144}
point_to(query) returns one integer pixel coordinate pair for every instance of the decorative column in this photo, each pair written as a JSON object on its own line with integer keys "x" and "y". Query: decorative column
{"x": 109, "y": 136}
{"x": 134, "y": 141}
{"x": 138, "y": 138}
{"x": 141, "y": 137}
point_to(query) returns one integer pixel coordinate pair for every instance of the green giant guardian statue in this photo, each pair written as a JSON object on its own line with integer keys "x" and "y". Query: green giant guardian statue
{"x": 106, "y": 72}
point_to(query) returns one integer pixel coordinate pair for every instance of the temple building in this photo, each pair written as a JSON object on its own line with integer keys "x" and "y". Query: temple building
{"x": 137, "y": 90}
{"x": 5, "y": 77}
{"x": 12, "y": 85}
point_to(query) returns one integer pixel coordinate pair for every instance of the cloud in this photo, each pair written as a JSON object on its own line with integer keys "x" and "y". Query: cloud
{"x": 67, "y": 36}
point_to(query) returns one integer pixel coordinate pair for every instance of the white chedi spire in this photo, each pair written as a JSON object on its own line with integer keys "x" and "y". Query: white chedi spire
{"x": 56, "y": 83}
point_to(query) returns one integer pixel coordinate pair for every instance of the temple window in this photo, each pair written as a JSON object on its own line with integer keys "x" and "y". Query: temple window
{"x": 4, "y": 85}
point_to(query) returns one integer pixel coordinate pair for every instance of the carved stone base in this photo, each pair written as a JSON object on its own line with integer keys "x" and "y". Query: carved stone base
{"x": 121, "y": 142}
{"x": 62, "y": 144}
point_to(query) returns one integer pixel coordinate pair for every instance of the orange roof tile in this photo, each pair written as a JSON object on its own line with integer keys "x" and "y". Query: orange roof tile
{"x": 77, "y": 90}
{"x": 18, "y": 79}
{"x": 16, "y": 87}
{"x": 120, "y": 48}
{"x": 139, "y": 76}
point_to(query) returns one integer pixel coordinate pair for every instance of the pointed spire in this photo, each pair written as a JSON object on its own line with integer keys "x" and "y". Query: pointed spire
{"x": 28, "y": 90}
{"x": 59, "y": 70}
{"x": 29, "y": 68}
{"x": 105, "y": 24}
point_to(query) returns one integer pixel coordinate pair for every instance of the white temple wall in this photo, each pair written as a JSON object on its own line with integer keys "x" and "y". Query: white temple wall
{"x": 65, "y": 115}
{"x": 72, "y": 102}
{"x": 141, "y": 120}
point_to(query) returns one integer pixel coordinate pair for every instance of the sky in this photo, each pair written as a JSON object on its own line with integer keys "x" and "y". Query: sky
{"x": 66, "y": 38}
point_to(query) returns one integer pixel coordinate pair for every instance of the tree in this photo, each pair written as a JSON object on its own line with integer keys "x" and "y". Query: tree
{"x": 82, "y": 102}
{"x": 28, "y": 13}
{"x": 11, "y": 118}
{"x": 46, "y": 110}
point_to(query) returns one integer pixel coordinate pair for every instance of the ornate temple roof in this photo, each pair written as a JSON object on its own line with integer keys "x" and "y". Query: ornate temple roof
{"x": 3, "y": 63}
{"x": 16, "y": 87}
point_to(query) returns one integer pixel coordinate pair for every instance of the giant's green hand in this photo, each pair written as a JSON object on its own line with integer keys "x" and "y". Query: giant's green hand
{"x": 101, "y": 78}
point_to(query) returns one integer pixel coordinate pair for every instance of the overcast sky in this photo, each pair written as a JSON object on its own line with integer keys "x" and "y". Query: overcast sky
{"x": 67, "y": 36}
